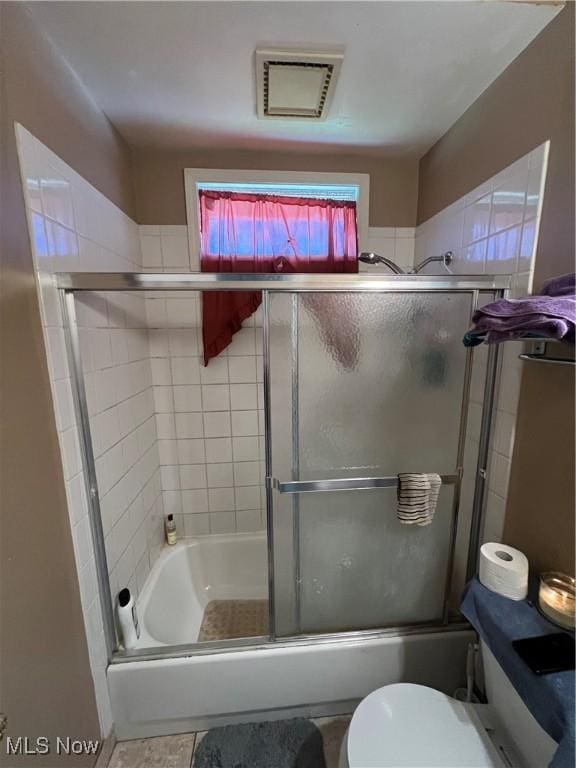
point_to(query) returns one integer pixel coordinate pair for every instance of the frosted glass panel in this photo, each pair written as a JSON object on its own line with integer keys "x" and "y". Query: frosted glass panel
{"x": 363, "y": 384}
{"x": 380, "y": 383}
{"x": 361, "y": 567}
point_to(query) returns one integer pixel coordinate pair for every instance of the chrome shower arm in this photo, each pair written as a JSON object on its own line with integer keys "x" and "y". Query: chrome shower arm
{"x": 446, "y": 259}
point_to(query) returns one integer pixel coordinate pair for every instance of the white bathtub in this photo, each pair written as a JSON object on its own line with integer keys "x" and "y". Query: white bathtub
{"x": 187, "y": 576}
{"x": 194, "y": 692}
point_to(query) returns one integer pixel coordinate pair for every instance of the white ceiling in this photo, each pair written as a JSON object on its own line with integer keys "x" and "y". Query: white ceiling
{"x": 181, "y": 74}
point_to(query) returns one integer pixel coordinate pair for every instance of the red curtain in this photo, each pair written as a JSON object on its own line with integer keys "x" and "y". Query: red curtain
{"x": 265, "y": 233}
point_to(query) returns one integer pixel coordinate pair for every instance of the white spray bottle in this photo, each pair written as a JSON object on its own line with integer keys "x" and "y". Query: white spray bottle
{"x": 128, "y": 618}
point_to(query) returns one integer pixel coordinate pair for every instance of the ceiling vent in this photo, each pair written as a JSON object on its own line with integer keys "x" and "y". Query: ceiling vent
{"x": 295, "y": 84}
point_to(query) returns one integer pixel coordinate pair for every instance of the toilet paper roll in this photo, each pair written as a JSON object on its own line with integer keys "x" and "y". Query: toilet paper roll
{"x": 504, "y": 570}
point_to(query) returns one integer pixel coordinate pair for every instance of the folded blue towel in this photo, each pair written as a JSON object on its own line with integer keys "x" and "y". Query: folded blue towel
{"x": 550, "y": 698}
{"x": 550, "y": 315}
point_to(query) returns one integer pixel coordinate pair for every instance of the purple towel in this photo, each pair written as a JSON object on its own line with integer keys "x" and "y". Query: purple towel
{"x": 551, "y": 315}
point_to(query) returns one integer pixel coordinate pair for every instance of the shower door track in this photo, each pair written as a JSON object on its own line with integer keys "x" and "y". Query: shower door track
{"x": 73, "y": 282}
{"x": 289, "y": 283}
{"x": 266, "y": 643}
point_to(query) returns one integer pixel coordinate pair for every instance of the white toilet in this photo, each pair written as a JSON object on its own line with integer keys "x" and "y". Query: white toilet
{"x": 405, "y": 725}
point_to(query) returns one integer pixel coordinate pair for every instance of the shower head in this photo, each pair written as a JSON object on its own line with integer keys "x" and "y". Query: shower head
{"x": 369, "y": 258}
{"x": 374, "y": 258}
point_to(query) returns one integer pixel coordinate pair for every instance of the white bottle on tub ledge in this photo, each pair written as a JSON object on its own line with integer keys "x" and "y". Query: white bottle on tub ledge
{"x": 128, "y": 619}
{"x": 170, "y": 529}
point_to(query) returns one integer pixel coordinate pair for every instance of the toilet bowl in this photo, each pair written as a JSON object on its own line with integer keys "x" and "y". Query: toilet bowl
{"x": 406, "y": 725}
{"x": 412, "y": 725}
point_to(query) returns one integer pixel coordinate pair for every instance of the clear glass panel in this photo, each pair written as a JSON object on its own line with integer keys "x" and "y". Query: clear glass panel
{"x": 171, "y": 436}
{"x": 363, "y": 385}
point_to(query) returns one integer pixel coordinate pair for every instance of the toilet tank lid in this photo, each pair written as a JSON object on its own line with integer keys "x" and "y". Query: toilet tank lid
{"x": 413, "y": 725}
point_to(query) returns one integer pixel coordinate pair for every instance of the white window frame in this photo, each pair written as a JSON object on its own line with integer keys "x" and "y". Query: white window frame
{"x": 193, "y": 177}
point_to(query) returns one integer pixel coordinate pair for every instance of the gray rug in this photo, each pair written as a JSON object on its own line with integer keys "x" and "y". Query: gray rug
{"x": 282, "y": 744}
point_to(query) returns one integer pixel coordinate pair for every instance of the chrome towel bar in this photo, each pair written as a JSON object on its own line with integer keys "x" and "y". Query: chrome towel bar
{"x": 345, "y": 484}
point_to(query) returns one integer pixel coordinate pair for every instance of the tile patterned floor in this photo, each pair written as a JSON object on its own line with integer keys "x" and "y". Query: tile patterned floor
{"x": 332, "y": 730}
{"x": 178, "y": 751}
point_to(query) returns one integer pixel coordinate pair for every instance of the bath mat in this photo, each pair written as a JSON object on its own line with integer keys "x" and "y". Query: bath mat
{"x": 227, "y": 619}
{"x": 282, "y": 744}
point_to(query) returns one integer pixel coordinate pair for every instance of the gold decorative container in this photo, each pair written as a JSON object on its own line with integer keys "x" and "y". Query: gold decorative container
{"x": 556, "y": 598}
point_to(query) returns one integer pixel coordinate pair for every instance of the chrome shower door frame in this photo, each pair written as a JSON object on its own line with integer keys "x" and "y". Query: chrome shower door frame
{"x": 71, "y": 283}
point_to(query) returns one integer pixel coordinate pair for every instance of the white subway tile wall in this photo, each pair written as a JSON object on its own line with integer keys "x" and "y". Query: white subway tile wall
{"x": 74, "y": 227}
{"x": 118, "y": 380}
{"x": 165, "y": 248}
{"x": 209, "y": 419}
{"x": 492, "y": 230}
{"x": 396, "y": 243}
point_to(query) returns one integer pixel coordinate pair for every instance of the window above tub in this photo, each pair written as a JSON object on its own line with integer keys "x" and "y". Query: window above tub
{"x": 306, "y": 184}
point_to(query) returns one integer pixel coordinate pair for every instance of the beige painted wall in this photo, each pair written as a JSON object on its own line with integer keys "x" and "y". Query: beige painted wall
{"x": 49, "y": 100}
{"x": 532, "y": 101}
{"x": 159, "y": 180}
{"x": 45, "y": 681}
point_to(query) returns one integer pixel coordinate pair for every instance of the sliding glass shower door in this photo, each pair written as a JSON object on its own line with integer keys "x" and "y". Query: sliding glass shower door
{"x": 362, "y": 386}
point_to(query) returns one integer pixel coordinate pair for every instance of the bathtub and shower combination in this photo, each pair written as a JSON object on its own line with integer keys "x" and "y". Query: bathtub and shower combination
{"x": 365, "y": 376}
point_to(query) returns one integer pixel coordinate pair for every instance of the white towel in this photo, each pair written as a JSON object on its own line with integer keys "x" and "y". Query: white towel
{"x": 417, "y": 497}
